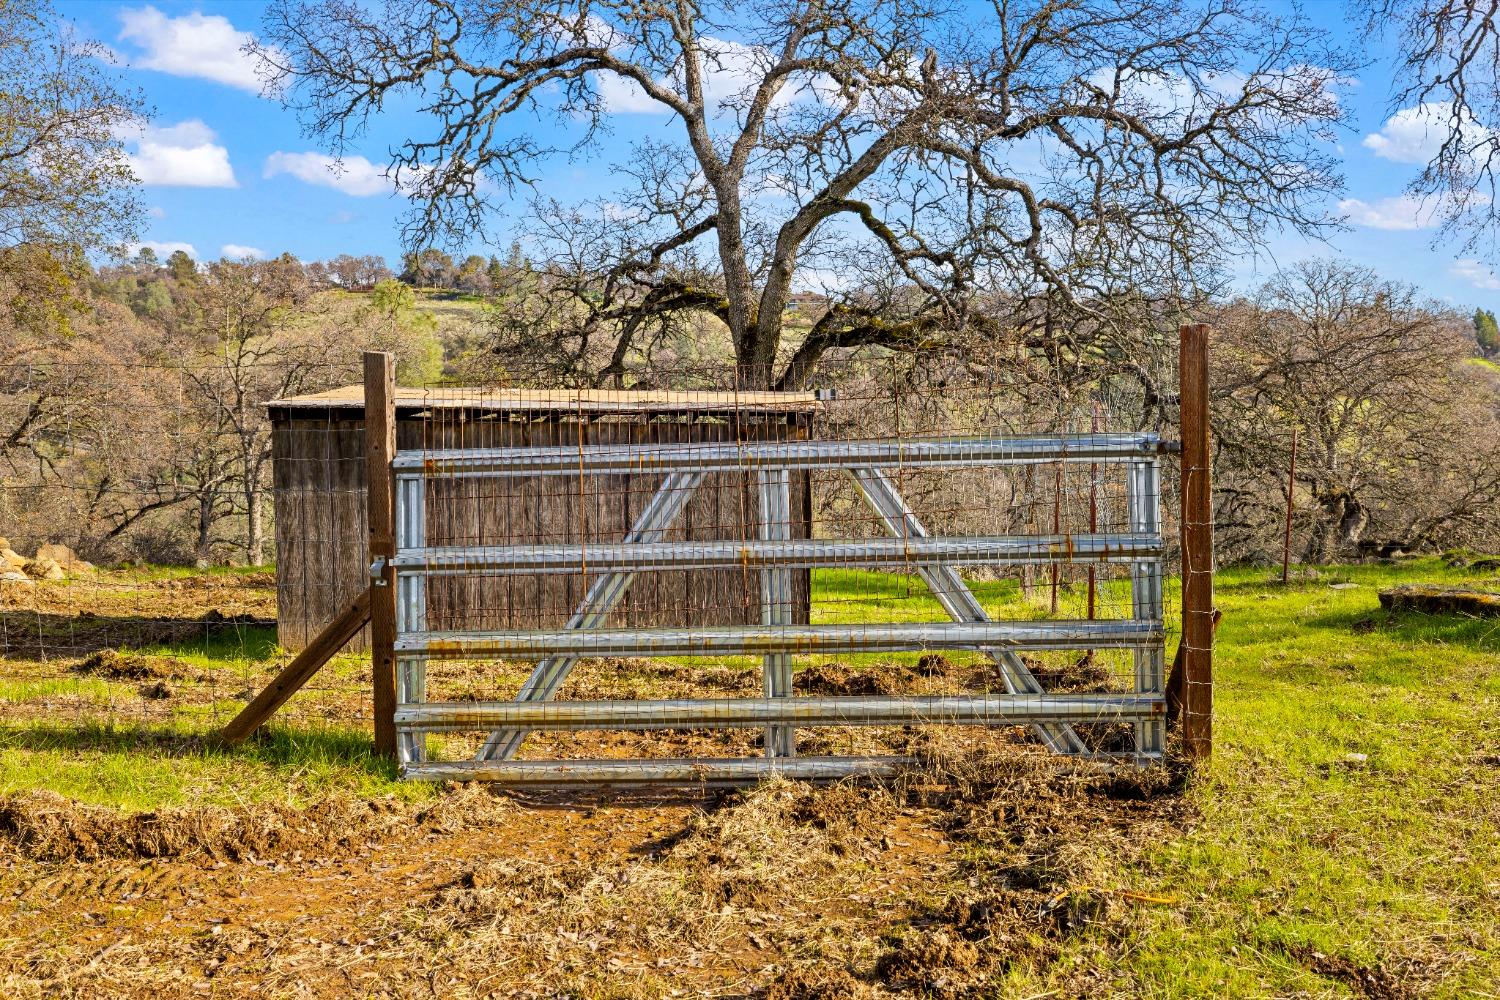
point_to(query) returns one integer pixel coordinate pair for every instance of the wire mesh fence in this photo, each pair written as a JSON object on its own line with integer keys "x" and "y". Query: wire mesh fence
{"x": 1025, "y": 541}
{"x": 774, "y": 538}
{"x": 139, "y": 513}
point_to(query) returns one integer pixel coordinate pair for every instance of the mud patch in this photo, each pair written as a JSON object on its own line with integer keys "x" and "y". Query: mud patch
{"x": 1375, "y": 984}
{"x": 1046, "y": 835}
{"x": 114, "y": 665}
{"x": 45, "y": 826}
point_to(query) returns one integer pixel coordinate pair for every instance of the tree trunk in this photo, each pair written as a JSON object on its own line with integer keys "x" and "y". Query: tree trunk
{"x": 1343, "y": 521}
{"x": 1353, "y": 523}
{"x": 254, "y": 522}
{"x": 205, "y": 529}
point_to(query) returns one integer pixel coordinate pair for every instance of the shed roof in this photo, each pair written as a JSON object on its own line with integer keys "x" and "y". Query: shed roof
{"x": 352, "y": 398}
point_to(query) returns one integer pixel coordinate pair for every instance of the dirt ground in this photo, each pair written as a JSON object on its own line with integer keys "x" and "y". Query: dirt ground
{"x": 964, "y": 877}
{"x": 938, "y": 889}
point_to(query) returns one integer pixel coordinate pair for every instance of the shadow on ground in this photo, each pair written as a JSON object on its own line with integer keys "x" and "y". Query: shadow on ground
{"x": 275, "y": 746}
{"x": 37, "y": 634}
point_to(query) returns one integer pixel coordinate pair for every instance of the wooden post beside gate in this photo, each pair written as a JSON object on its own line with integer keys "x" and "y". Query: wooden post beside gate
{"x": 380, "y": 448}
{"x": 1197, "y": 547}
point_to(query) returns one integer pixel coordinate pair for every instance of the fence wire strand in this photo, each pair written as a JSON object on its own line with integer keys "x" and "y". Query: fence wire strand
{"x": 131, "y": 642}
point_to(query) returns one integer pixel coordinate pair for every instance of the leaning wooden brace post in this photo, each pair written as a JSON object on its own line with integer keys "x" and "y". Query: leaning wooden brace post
{"x": 297, "y": 673}
{"x": 1197, "y": 547}
{"x": 380, "y": 449}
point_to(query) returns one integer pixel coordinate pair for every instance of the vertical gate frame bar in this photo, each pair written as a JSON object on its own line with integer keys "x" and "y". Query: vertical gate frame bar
{"x": 411, "y": 610}
{"x": 959, "y": 601}
{"x": 776, "y": 599}
{"x": 1143, "y": 493}
{"x": 380, "y": 449}
{"x": 1197, "y": 529}
{"x": 676, "y": 489}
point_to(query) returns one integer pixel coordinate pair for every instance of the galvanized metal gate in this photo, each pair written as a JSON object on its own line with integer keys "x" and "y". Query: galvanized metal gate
{"x": 773, "y": 554}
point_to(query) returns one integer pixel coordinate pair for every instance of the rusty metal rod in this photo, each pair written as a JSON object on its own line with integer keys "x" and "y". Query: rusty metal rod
{"x": 748, "y": 713}
{"x": 658, "y": 458}
{"x": 739, "y": 771}
{"x": 760, "y": 640}
{"x": 887, "y": 553}
{"x": 1291, "y": 488}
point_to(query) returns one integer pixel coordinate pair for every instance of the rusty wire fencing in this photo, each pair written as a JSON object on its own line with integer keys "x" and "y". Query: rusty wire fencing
{"x": 154, "y": 490}
{"x": 861, "y": 569}
{"x": 701, "y": 583}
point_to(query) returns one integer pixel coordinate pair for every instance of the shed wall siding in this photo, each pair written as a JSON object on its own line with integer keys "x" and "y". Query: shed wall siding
{"x": 321, "y": 532}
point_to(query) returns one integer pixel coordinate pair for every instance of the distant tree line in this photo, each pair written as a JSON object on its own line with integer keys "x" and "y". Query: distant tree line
{"x": 139, "y": 429}
{"x": 476, "y": 275}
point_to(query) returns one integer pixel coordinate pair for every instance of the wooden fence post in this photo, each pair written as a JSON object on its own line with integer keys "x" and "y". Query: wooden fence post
{"x": 380, "y": 448}
{"x": 1197, "y": 525}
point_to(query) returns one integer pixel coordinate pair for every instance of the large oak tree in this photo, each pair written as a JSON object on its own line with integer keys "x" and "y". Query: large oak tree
{"x": 928, "y": 163}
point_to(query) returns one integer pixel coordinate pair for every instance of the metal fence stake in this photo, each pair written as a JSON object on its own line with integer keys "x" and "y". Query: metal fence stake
{"x": 776, "y": 599}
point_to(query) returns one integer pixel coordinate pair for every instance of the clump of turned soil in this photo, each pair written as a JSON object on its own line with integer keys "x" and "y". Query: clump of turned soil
{"x": 114, "y": 665}
{"x": 1375, "y": 983}
{"x": 934, "y": 963}
{"x": 779, "y": 838}
{"x": 934, "y": 665}
{"x": 1087, "y": 673}
{"x": 45, "y": 826}
{"x": 818, "y": 984}
{"x": 837, "y": 679}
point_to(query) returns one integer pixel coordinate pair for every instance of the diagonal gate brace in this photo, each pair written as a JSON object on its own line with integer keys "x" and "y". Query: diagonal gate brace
{"x": 958, "y": 600}
{"x": 603, "y": 594}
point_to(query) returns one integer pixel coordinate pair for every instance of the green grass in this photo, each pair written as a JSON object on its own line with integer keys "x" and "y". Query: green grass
{"x": 145, "y": 768}
{"x": 220, "y": 646}
{"x": 1394, "y": 861}
{"x": 149, "y": 573}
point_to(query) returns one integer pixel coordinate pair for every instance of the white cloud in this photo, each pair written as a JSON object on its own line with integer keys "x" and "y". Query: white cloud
{"x": 1400, "y": 213}
{"x": 156, "y": 212}
{"x": 624, "y": 96}
{"x": 730, "y": 70}
{"x": 163, "y": 248}
{"x": 1415, "y": 134}
{"x": 1475, "y": 273}
{"x": 237, "y": 251}
{"x": 181, "y": 155}
{"x": 353, "y": 175}
{"x": 197, "y": 45}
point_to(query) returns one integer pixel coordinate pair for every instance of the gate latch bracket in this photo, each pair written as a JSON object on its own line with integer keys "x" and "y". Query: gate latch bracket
{"x": 377, "y": 572}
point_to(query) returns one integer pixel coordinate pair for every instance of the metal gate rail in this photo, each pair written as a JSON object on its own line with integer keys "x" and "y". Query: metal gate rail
{"x": 773, "y": 554}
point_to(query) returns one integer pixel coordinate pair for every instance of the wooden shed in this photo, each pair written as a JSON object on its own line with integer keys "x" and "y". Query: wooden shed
{"x": 319, "y": 485}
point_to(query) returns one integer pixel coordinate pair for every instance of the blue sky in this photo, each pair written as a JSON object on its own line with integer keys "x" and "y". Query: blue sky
{"x": 229, "y": 173}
